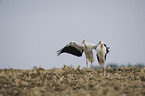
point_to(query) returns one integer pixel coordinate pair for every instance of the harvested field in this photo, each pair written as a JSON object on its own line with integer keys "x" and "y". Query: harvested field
{"x": 68, "y": 81}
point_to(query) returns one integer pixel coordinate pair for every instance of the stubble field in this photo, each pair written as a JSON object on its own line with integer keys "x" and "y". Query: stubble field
{"x": 69, "y": 81}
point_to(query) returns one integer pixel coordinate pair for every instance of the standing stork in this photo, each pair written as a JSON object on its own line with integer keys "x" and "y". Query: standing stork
{"x": 102, "y": 51}
{"x": 77, "y": 50}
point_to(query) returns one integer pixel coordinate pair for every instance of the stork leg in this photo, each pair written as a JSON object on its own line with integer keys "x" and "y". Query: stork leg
{"x": 86, "y": 63}
{"x": 103, "y": 63}
{"x": 102, "y": 67}
{"x": 99, "y": 67}
{"x": 100, "y": 64}
{"x": 91, "y": 65}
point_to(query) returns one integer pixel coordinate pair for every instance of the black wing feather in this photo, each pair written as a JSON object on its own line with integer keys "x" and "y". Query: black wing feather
{"x": 107, "y": 50}
{"x": 71, "y": 50}
{"x": 98, "y": 58}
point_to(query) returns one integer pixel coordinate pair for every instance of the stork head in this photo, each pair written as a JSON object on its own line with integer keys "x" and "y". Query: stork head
{"x": 84, "y": 40}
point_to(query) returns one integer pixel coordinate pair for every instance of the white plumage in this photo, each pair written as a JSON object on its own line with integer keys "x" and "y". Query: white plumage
{"x": 77, "y": 50}
{"x": 102, "y": 51}
{"x": 88, "y": 52}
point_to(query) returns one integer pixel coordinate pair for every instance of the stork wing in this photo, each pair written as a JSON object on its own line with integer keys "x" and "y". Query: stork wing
{"x": 72, "y": 48}
{"x": 107, "y": 50}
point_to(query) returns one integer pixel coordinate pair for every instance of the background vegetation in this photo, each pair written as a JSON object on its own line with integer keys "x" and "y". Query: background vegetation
{"x": 113, "y": 65}
{"x": 122, "y": 81}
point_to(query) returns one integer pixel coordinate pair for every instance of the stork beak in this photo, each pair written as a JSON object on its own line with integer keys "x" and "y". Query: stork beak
{"x": 83, "y": 42}
{"x": 99, "y": 43}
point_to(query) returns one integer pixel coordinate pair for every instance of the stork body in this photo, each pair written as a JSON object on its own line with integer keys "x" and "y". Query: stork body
{"x": 88, "y": 52}
{"x": 77, "y": 50}
{"x": 102, "y": 51}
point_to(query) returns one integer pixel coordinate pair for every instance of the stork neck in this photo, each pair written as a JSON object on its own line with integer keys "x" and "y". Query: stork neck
{"x": 85, "y": 43}
{"x": 101, "y": 46}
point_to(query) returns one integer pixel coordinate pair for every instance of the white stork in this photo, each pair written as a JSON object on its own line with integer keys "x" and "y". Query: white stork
{"x": 77, "y": 50}
{"x": 102, "y": 51}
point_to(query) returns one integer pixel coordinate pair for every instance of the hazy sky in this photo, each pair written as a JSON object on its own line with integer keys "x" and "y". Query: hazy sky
{"x": 31, "y": 31}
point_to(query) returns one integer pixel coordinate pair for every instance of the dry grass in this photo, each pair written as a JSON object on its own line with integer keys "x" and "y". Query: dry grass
{"x": 68, "y": 81}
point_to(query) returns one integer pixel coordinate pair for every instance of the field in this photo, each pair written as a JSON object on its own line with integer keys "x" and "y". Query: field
{"x": 69, "y": 81}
